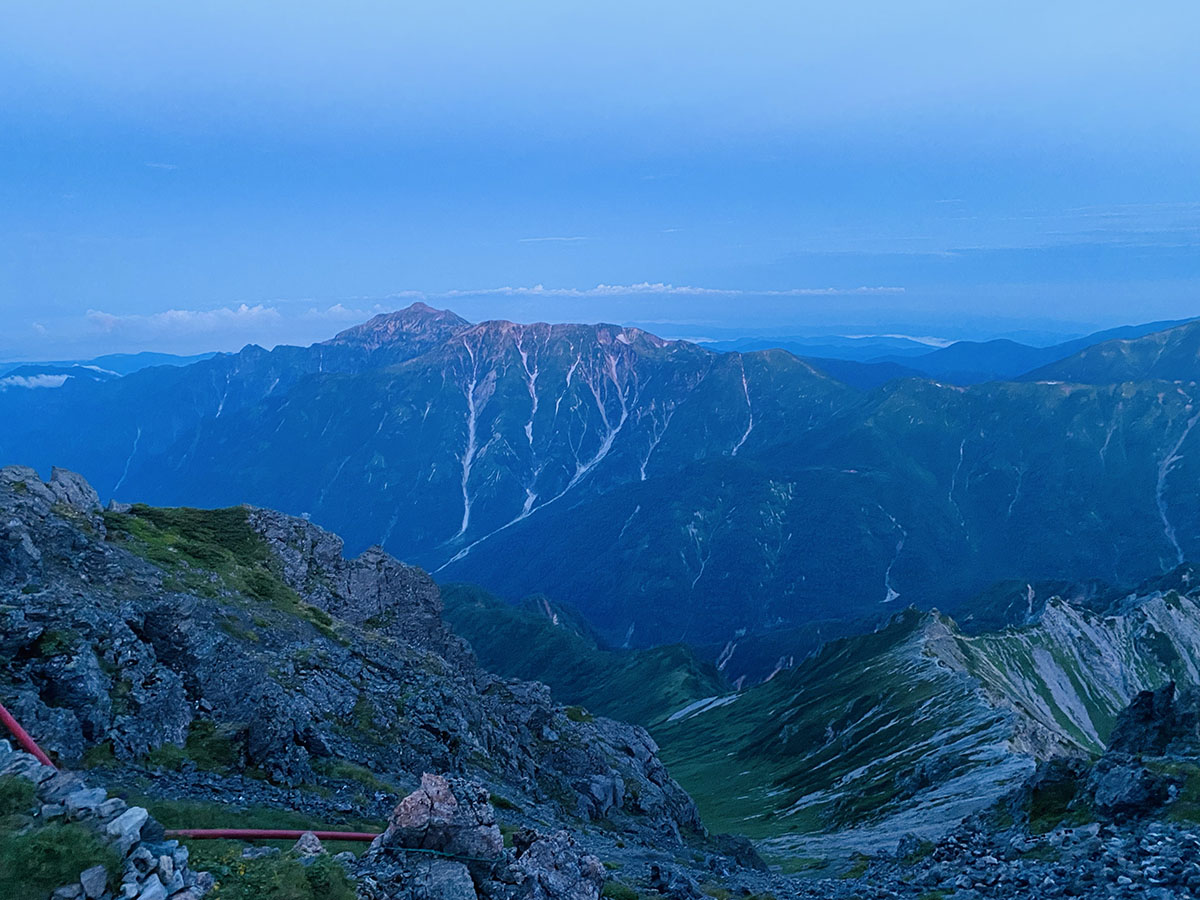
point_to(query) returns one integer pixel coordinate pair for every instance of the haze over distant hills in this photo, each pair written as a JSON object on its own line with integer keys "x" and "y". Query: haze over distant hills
{"x": 871, "y": 360}
{"x": 697, "y": 494}
{"x": 114, "y": 363}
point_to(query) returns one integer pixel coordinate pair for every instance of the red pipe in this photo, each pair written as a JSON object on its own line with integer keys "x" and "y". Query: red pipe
{"x": 265, "y": 834}
{"x": 27, "y": 743}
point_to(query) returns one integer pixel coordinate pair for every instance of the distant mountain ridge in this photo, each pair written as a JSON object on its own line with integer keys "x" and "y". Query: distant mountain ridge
{"x": 866, "y": 349}
{"x": 973, "y": 362}
{"x": 1172, "y": 354}
{"x": 115, "y": 363}
{"x": 870, "y": 361}
{"x": 670, "y": 492}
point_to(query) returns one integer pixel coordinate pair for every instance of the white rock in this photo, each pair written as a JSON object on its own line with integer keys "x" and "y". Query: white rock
{"x": 94, "y": 881}
{"x": 127, "y": 827}
{"x": 153, "y": 890}
{"x": 86, "y": 799}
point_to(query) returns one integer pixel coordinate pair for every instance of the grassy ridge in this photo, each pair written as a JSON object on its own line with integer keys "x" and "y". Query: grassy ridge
{"x": 828, "y": 743}
{"x": 210, "y": 552}
{"x": 920, "y": 712}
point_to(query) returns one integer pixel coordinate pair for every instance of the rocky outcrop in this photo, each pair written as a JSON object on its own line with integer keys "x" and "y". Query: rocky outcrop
{"x": 1144, "y": 766}
{"x": 1120, "y": 787}
{"x": 674, "y": 885}
{"x": 553, "y": 867}
{"x": 451, "y": 818}
{"x": 149, "y": 867}
{"x": 373, "y": 590}
{"x": 245, "y": 634}
{"x": 442, "y": 842}
{"x": 1159, "y": 723}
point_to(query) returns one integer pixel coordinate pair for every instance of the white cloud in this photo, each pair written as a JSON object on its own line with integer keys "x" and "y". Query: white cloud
{"x": 268, "y": 323}
{"x": 663, "y": 289}
{"x": 339, "y": 312}
{"x": 33, "y": 381}
{"x": 178, "y": 322}
{"x": 919, "y": 338}
{"x": 304, "y": 320}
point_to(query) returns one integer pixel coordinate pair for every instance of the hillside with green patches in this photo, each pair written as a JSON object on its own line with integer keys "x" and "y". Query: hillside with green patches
{"x": 1069, "y": 675}
{"x": 871, "y": 728}
{"x": 917, "y": 724}
{"x": 535, "y": 641}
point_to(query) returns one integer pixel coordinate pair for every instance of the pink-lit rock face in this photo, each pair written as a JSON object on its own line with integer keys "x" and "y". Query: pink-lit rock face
{"x": 451, "y": 816}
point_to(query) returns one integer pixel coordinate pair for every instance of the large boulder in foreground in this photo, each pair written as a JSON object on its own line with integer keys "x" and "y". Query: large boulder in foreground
{"x": 447, "y": 816}
{"x": 553, "y": 867}
{"x": 1159, "y": 723}
{"x": 443, "y": 843}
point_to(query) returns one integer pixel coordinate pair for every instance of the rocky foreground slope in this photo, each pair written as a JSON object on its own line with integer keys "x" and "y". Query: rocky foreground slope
{"x": 216, "y": 665}
{"x": 234, "y": 657}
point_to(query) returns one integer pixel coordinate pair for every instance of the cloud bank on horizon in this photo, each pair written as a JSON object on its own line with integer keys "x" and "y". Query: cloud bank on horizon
{"x": 925, "y": 168}
{"x": 302, "y": 322}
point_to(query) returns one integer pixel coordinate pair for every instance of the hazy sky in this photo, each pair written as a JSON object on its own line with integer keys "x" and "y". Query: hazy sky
{"x": 194, "y": 175}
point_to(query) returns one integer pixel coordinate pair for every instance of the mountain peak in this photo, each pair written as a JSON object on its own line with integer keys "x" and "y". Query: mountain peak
{"x": 418, "y": 321}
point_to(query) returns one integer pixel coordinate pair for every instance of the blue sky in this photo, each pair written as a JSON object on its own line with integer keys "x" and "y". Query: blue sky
{"x": 193, "y": 176}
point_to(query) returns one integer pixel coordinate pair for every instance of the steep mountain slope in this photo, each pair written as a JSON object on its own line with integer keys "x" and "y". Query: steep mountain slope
{"x": 912, "y": 727}
{"x": 162, "y": 412}
{"x": 1169, "y": 355}
{"x": 922, "y": 492}
{"x": 694, "y": 495}
{"x": 538, "y": 642}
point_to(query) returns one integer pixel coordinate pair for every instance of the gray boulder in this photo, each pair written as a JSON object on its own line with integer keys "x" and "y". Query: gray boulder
{"x": 1120, "y": 786}
{"x": 73, "y": 490}
{"x": 94, "y": 882}
{"x": 126, "y": 829}
{"x": 674, "y": 884}
{"x": 556, "y": 868}
{"x": 416, "y": 878}
{"x": 308, "y": 845}
{"x": 443, "y": 879}
{"x": 602, "y": 793}
{"x": 1159, "y": 723}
